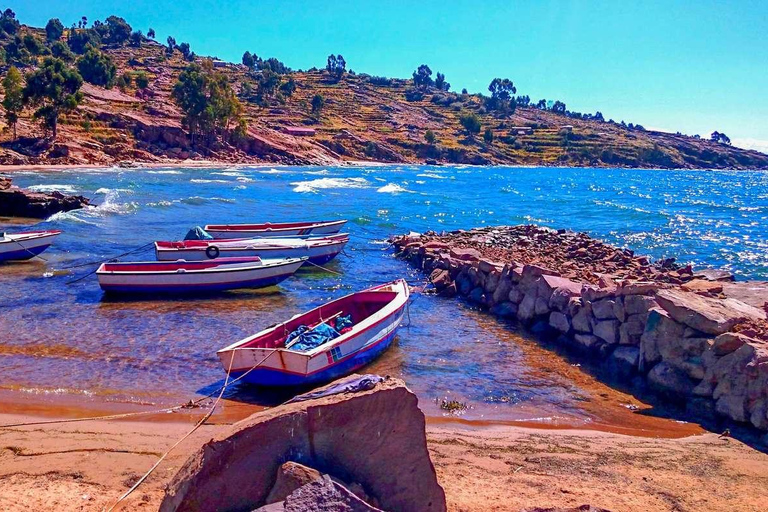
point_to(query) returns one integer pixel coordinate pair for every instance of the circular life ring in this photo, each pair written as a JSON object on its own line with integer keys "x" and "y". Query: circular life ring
{"x": 212, "y": 252}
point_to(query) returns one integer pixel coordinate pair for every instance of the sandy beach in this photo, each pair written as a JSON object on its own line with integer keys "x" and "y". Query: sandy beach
{"x": 86, "y": 466}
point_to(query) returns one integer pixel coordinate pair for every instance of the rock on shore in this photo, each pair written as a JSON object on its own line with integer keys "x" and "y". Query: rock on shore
{"x": 18, "y": 202}
{"x": 658, "y": 320}
{"x": 374, "y": 440}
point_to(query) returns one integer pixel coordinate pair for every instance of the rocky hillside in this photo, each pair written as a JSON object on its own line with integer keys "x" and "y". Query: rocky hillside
{"x": 363, "y": 118}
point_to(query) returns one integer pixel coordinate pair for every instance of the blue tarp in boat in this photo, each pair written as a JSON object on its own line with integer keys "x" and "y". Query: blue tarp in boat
{"x": 322, "y": 333}
{"x": 197, "y": 233}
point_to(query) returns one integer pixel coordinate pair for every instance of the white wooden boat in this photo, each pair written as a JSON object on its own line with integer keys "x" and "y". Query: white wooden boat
{"x": 317, "y": 250}
{"x": 275, "y": 230}
{"x": 25, "y": 245}
{"x": 265, "y": 359}
{"x": 194, "y": 276}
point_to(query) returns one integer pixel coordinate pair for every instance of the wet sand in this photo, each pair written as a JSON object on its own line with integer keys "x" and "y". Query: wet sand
{"x": 87, "y": 466}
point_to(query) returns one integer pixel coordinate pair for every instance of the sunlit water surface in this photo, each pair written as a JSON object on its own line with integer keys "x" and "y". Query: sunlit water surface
{"x": 66, "y": 339}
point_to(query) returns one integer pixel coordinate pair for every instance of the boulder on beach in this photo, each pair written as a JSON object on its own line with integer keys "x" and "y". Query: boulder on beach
{"x": 374, "y": 438}
{"x": 17, "y": 202}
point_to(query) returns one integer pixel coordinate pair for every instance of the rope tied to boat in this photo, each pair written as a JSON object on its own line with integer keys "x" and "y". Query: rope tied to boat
{"x": 324, "y": 268}
{"x": 30, "y": 252}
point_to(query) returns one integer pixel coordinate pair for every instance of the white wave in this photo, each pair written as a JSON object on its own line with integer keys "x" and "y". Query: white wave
{"x": 274, "y": 171}
{"x": 243, "y": 179}
{"x": 160, "y": 204}
{"x": 198, "y": 200}
{"x": 329, "y": 183}
{"x": 393, "y": 188}
{"x": 229, "y": 173}
{"x": 431, "y": 175}
{"x": 322, "y": 172}
{"x": 200, "y": 180}
{"x": 70, "y": 216}
{"x": 118, "y": 190}
{"x": 164, "y": 172}
{"x": 64, "y": 189}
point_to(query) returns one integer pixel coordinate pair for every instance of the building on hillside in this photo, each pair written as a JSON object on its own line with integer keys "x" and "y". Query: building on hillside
{"x": 566, "y": 128}
{"x": 521, "y": 130}
{"x": 299, "y": 131}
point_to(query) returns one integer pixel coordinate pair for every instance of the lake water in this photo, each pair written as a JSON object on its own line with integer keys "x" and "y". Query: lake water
{"x": 62, "y": 340}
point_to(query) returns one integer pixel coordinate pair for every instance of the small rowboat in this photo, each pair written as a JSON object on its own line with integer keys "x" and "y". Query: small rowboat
{"x": 275, "y": 230}
{"x": 317, "y": 250}
{"x": 264, "y": 359}
{"x": 25, "y": 245}
{"x": 194, "y": 276}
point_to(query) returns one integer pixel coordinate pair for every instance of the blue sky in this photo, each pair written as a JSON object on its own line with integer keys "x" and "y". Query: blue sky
{"x": 693, "y": 66}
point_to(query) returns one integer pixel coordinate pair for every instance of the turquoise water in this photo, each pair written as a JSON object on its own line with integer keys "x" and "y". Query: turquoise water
{"x": 68, "y": 339}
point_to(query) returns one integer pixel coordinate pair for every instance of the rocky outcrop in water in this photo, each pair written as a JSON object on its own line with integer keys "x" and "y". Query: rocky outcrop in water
{"x": 655, "y": 320}
{"x": 374, "y": 439}
{"x": 17, "y": 202}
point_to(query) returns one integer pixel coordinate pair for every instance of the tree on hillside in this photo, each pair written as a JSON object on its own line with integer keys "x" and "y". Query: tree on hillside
{"x": 422, "y": 77}
{"x": 541, "y": 104}
{"x": 83, "y": 23}
{"x": 248, "y": 60}
{"x": 440, "y": 82}
{"x": 13, "y": 102}
{"x": 208, "y": 102}
{"x": 53, "y": 88}
{"x": 137, "y": 37}
{"x": 118, "y": 30}
{"x": 502, "y": 90}
{"x": 97, "y": 68}
{"x": 430, "y": 137}
{"x": 558, "y": 107}
{"x": 720, "y": 137}
{"x": 318, "y": 102}
{"x": 151, "y": 33}
{"x": 171, "y": 46}
{"x": 54, "y": 30}
{"x": 488, "y": 136}
{"x": 336, "y": 66}
{"x": 61, "y": 51}
{"x": 142, "y": 80}
{"x": 288, "y": 87}
{"x": 79, "y": 41}
{"x": 471, "y": 124}
{"x": 8, "y": 23}
{"x": 598, "y": 116}
{"x": 186, "y": 51}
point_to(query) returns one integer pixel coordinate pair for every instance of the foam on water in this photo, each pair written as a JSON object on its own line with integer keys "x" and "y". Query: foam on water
{"x": 392, "y": 188}
{"x": 329, "y": 183}
{"x": 64, "y": 189}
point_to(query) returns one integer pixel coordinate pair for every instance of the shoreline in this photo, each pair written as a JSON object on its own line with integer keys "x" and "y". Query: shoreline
{"x": 211, "y": 164}
{"x": 86, "y": 466}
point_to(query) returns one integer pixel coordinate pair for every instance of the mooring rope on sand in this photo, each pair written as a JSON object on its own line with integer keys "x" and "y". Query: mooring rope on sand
{"x": 324, "y": 268}
{"x": 197, "y": 425}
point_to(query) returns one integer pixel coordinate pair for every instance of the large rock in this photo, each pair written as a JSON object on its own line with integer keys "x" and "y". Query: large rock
{"x": 729, "y": 342}
{"x": 659, "y": 327}
{"x": 16, "y": 202}
{"x": 632, "y": 330}
{"x": 607, "y": 330}
{"x": 638, "y": 304}
{"x": 375, "y": 438}
{"x": 625, "y": 360}
{"x": 321, "y": 495}
{"x": 559, "y": 321}
{"x": 712, "y": 316}
{"x": 604, "y": 309}
{"x": 666, "y": 379}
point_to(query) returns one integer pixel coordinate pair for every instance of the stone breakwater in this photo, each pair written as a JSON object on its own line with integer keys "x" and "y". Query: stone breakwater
{"x": 18, "y": 202}
{"x": 657, "y": 324}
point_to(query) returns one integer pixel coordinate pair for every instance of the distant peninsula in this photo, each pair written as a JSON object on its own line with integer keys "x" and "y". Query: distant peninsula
{"x": 106, "y": 93}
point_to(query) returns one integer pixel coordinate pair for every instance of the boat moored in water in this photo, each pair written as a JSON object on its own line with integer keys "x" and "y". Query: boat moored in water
{"x": 194, "y": 276}
{"x": 25, "y": 245}
{"x": 318, "y": 250}
{"x": 323, "y": 344}
{"x": 275, "y": 230}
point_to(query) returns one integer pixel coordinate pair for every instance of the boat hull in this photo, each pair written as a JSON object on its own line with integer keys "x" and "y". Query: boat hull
{"x": 279, "y": 367}
{"x": 268, "y": 377}
{"x": 25, "y": 248}
{"x": 195, "y": 282}
{"x": 301, "y": 230}
{"x": 314, "y": 254}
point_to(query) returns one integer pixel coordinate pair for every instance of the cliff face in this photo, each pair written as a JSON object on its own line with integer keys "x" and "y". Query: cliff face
{"x": 360, "y": 121}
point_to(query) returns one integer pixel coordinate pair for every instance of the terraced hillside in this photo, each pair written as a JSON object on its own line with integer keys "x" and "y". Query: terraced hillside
{"x": 359, "y": 121}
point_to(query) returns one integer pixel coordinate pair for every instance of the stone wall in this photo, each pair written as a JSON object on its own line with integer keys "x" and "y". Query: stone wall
{"x": 681, "y": 343}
